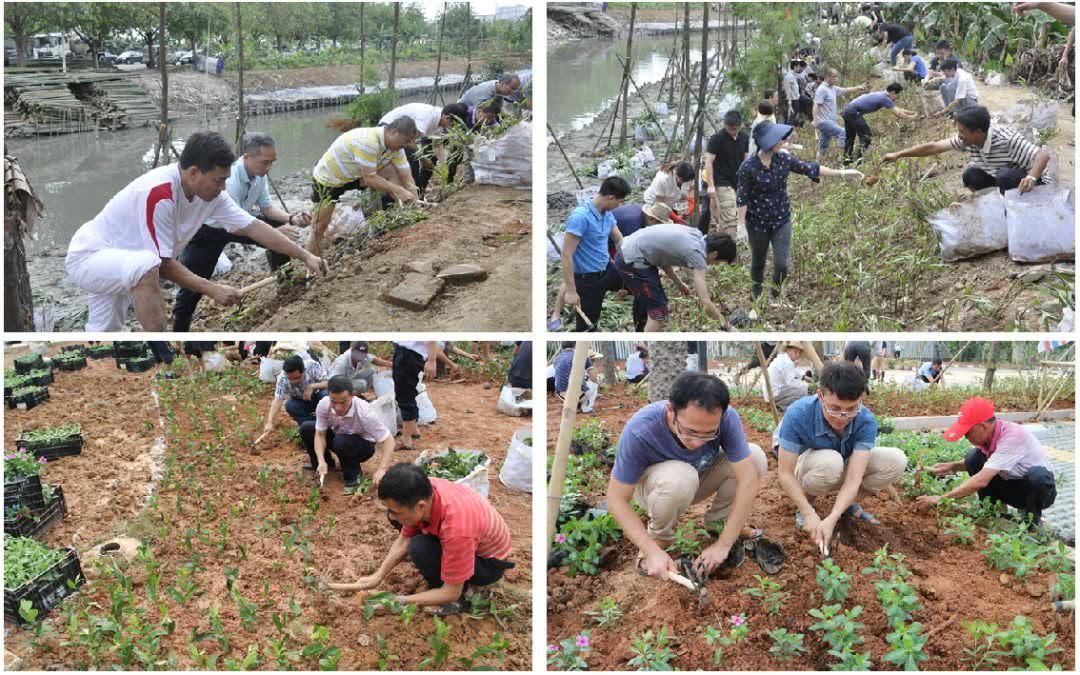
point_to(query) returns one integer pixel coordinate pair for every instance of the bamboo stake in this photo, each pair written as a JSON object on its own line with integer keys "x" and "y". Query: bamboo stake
{"x": 626, "y": 73}
{"x": 566, "y": 434}
{"x": 568, "y": 162}
{"x": 436, "y": 92}
{"x": 614, "y": 117}
{"x": 780, "y": 346}
{"x": 765, "y": 377}
{"x": 362, "y": 41}
{"x": 648, "y": 108}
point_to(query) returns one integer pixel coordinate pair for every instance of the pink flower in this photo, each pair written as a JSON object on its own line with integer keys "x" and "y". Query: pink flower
{"x": 738, "y": 619}
{"x": 43, "y": 461}
{"x": 582, "y": 640}
{"x": 560, "y": 538}
{"x": 553, "y": 648}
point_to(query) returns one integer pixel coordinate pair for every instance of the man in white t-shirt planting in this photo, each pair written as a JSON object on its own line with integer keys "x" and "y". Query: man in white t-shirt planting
{"x": 785, "y": 378}
{"x": 1007, "y": 463}
{"x": 121, "y": 255}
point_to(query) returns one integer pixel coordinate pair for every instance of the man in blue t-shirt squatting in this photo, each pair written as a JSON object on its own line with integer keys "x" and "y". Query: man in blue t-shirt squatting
{"x": 826, "y": 444}
{"x": 679, "y": 452}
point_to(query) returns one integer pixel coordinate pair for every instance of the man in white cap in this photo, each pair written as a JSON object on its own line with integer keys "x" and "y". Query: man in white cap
{"x": 359, "y": 366}
{"x": 1007, "y": 463}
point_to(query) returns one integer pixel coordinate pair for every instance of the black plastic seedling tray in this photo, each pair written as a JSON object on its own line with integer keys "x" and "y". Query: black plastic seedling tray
{"x": 122, "y": 350}
{"x": 140, "y": 364}
{"x": 70, "y": 365}
{"x": 66, "y": 447}
{"x": 79, "y": 349}
{"x": 22, "y": 492}
{"x": 28, "y": 401}
{"x": 47, "y": 590}
{"x": 99, "y": 351}
{"x": 37, "y": 522}
{"x": 24, "y": 365}
{"x": 40, "y": 378}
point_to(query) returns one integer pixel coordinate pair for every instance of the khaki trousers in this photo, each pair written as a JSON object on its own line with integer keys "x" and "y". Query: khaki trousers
{"x": 821, "y": 472}
{"x": 667, "y": 489}
{"x": 726, "y": 215}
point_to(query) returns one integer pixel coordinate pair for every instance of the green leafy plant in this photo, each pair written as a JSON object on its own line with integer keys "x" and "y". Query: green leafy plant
{"x": 983, "y": 653}
{"x": 652, "y": 651}
{"x": 570, "y": 653}
{"x": 769, "y": 594}
{"x": 839, "y": 628}
{"x": 607, "y": 613}
{"x": 786, "y": 646}
{"x": 583, "y": 539}
{"x": 20, "y": 464}
{"x": 834, "y": 582}
{"x": 906, "y": 645}
{"x": 960, "y": 527}
{"x": 886, "y": 563}
{"x": 897, "y": 598}
{"x": 50, "y": 435}
{"x": 1021, "y": 642}
{"x": 27, "y": 559}
{"x": 453, "y": 465}
{"x": 382, "y": 650}
{"x": 320, "y": 648}
{"x": 714, "y": 636}
{"x": 689, "y": 539}
{"x": 439, "y": 646}
{"x": 496, "y": 648}
{"x": 590, "y": 437}
{"x": 1014, "y": 549}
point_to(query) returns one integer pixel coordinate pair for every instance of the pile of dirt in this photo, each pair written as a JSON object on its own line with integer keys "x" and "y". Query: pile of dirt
{"x": 266, "y": 498}
{"x": 482, "y": 225}
{"x": 953, "y": 582}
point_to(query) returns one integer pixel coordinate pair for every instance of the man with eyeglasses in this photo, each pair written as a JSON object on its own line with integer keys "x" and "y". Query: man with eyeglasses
{"x": 679, "y": 452}
{"x": 825, "y": 445}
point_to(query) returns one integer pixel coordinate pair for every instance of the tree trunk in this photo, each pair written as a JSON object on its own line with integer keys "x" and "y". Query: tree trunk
{"x": 363, "y": 39}
{"x": 21, "y": 209}
{"x": 668, "y": 362}
{"x": 699, "y": 155}
{"x": 626, "y": 74}
{"x": 674, "y": 49}
{"x": 393, "y": 44}
{"x": 991, "y": 367}
{"x": 161, "y": 147}
{"x": 607, "y": 348}
{"x": 240, "y": 82}
{"x": 686, "y": 61}
{"x": 467, "y": 82}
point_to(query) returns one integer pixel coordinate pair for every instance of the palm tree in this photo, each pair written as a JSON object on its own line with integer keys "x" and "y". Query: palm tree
{"x": 668, "y": 362}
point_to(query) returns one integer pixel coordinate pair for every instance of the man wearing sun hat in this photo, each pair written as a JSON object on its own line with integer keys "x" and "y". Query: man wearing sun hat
{"x": 1007, "y": 462}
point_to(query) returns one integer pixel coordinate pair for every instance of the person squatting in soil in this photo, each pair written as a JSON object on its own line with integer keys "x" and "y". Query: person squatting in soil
{"x": 409, "y": 360}
{"x": 998, "y": 156}
{"x": 671, "y": 187}
{"x": 429, "y": 121}
{"x": 120, "y": 256}
{"x": 637, "y": 364}
{"x": 931, "y": 372}
{"x": 372, "y": 158}
{"x": 559, "y": 377}
{"x": 249, "y": 186}
{"x": 360, "y": 367}
{"x": 787, "y": 379}
{"x": 827, "y": 444}
{"x": 300, "y": 386}
{"x": 678, "y": 452}
{"x": 453, "y": 536}
{"x": 1006, "y": 463}
{"x": 347, "y": 426}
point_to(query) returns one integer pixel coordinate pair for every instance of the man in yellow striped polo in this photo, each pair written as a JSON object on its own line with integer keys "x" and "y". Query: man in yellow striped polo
{"x": 372, "y": 158}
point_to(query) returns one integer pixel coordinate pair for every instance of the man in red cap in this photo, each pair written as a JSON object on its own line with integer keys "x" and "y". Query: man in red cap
{"x": 1007, "y": 463}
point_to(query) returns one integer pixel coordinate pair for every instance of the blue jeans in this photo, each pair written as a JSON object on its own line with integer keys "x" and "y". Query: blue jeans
{"x": 901, "y": 44}
{"x": 304, "y": 411}
{"x": 828, "y": 130}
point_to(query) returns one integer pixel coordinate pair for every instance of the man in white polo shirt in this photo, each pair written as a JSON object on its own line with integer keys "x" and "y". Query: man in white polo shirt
{"x": 346, "y": 425}
{"x": 966, "y": 95}
{"x": 121, "y": 255}
{"x": 429, "y": 120}
{"x": 1007, "y": 463}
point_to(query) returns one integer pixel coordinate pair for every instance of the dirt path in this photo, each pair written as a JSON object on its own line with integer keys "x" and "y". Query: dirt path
{"x": 264, "y": 498}
{"x": 953, "y": 582}
{"x": 482, "y": 225}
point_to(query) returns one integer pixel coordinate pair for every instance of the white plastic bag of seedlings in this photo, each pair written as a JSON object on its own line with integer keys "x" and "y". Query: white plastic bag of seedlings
{"x": 1041, "y": 224}
{"x": 505, "y": 160}
{"x": 385, "y": 408}
{"x": 477, "y": 478}
{"x": 222, "y": 266}
{"x": 346, "y": 221}
{"x": 512, "y": 402}
{"x": 384, "y": 383}
{"x": 972, "y": 228}
{"x": 605, "y": 169}
{"x": 215, "y": 361}
{"x": 516, "y": 472}
{"x": 427, "y": 409}
{"x": 269, "y": 369}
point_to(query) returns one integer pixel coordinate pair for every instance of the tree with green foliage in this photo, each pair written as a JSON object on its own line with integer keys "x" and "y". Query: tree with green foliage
{"x": 760, "y": 67}
{"x": 24, "y": 19}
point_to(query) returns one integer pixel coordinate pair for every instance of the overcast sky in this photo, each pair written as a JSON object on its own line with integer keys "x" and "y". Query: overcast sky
{"x": 432, "y": 8}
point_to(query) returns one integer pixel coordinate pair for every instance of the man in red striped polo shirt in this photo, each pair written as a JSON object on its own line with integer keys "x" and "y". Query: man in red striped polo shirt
{"x": 454, "y": 537}
{"x": 121, "y": 255}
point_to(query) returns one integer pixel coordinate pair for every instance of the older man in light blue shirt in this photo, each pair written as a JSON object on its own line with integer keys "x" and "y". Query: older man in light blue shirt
{"x": 249, "y": 186}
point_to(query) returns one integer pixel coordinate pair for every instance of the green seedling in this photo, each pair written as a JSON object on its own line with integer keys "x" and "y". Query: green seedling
{"x": 897, "y": 598}
{"x": 786, "y": 646}
{"x": 249, "y": 662}
{"x": 607, "y": 613}
{"x": 47, "y": 436}
{"x": 439, "y": 646}
{"x": 885, "y": 564}
{"x": 319, "y": 648}
{"x": 382, "y": 650}
{"x": 689, "y": 539}
{"x": 984, "y": 652}
{"x": 26, "y": 559}
{"x": 583, "y": 539}
{"x": 715, "y": 636}
{"x": 960, "y": 527}
{"x": 906, "y": 645}
{"x": 770, "y": 594}
{"x": 20, "y": 464}
{"x": 1021, "y": 642}
{"x": 496, "y": 648}
{"x": 652, "y": 652}
{"x": 570, "y": 653}
{"x": 453, "y": 465}
{"x": 834, "y": 582}
{"x": 1015, "y": 550}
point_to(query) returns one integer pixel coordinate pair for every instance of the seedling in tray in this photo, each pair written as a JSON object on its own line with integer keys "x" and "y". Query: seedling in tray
{"x": 28, "y": 397}
{"x": 28, "y": 362}
{"x": 69, "y": 361}
{"x": 139, "y": 364}
{"x": 65, "y": 439}
{"x": 36, "y": 573}
{"x": 453, "y": 465}
{"x": 101, "y": 351}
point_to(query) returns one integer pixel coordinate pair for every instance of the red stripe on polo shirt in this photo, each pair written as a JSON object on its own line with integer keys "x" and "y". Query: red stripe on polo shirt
{"x": 157, "y": 194}
{"x": 467, "y": 526}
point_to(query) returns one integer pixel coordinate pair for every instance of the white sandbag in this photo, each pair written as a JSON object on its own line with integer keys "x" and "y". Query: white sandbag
{"x": 269, "y": 369}
{"x": 427, "y": 409}
{"x": 215, "y": 361}
{"x": 972, "y": 228}
{"x": 640, "y": 134}
{"x": 553, "y": 254}
{"x": 1041, "y": 224}
{"x": 384, "y": 383}
{"x": 645, "y": 155}
{"x": 605, "y": 169}
{"x": 477, "y": 479}
{"x": 1068, "y": 321}
{"x": 1027, "y": 113}
{"x": 346, "y": 221}
{"x": 511, "y": 402}
{"x": 588, "y": 397}
{"x": 516, "y": 471}
{"x": 995, "y": 79}
{"x": 586, "y": 193}
{"x": 505, "y": 160}
{"x": 661, "y": 108}
{"x": 385, "y": 408}
{"x": 222, "y": 266}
